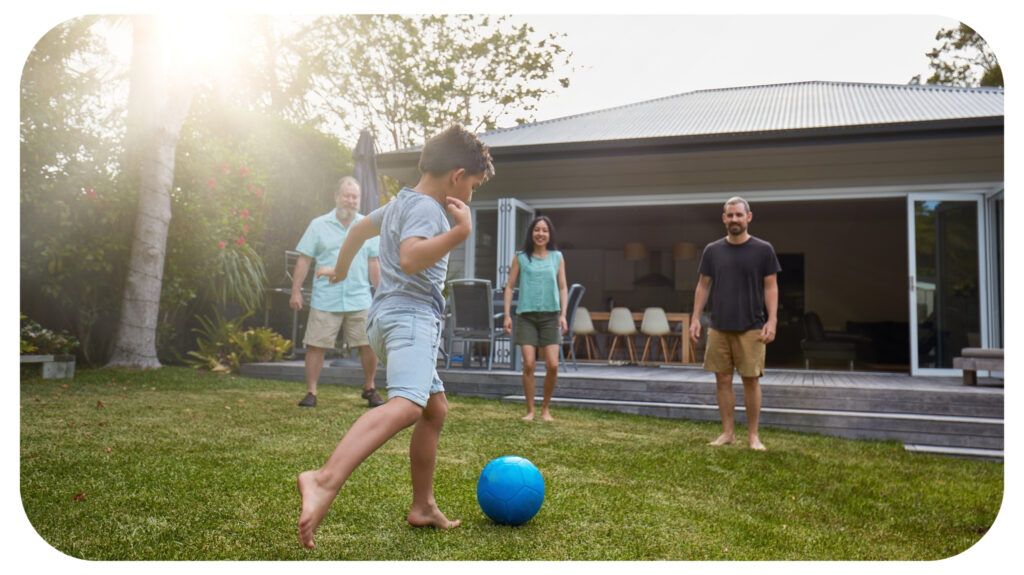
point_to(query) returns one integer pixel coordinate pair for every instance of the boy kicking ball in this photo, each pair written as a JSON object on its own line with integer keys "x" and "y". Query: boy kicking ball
{"x": 405, "y": 322}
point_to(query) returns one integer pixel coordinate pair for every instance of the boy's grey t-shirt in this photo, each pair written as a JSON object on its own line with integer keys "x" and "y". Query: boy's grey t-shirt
{"x": 411, "y": 214}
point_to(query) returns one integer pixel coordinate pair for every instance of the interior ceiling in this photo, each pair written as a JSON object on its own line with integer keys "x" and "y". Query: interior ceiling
{"x": 872, "y": 209}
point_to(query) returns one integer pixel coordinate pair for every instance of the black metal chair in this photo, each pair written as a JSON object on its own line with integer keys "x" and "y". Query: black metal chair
{"x": 472, "y": 319}
{"x": 505, "y": 353}
{"x": 819, "y": 344}
{"x": 285, "y": 287}
{"x": 575, "y": 295}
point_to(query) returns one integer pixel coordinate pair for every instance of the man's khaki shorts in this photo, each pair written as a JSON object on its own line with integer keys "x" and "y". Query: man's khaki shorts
{"x": 739, "y": 350}
{"x": 323, "y": 327}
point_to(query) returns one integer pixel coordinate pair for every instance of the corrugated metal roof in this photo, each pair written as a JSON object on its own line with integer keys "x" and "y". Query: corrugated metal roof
{"x": 772, "y": 108}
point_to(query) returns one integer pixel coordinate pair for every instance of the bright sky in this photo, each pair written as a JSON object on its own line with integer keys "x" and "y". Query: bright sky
{"x": 623, "y": 59}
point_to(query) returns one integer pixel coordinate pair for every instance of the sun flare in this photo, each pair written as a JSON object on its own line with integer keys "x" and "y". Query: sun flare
{"x": 201, "y": 44}
{"x": 198, "y": 43}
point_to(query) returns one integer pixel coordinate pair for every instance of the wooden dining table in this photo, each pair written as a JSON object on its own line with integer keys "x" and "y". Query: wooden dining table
{"x": 686, "y": 356}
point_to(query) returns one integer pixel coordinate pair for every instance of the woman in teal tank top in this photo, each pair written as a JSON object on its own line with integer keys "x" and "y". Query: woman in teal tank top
{"x": 540, "y": 312}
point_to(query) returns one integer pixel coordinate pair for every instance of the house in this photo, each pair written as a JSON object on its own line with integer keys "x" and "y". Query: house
{"x": 884, "y": 203}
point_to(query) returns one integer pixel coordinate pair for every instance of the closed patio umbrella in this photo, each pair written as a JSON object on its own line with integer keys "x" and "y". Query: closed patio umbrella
{"x": 364, "y": 159}
{"x": 364, "y": 170}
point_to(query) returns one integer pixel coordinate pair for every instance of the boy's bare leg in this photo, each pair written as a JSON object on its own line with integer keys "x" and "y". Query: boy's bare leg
{"x": 550, "y": 379}
{"x": 529, "y": 381}
{"x": 318, "y": 488}
{"x": 726, "y": 408}
{"x": 422, "y": 458}
{"x": 752, "y": 401}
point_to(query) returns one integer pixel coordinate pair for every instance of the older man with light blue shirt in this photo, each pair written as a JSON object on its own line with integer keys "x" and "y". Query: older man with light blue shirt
{"x": 340, "y": 306}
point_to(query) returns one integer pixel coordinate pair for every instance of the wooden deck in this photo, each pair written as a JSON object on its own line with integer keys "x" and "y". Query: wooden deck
{"x": 926, "y": 414}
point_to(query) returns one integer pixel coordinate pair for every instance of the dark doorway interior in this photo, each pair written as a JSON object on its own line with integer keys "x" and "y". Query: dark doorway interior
{"x": 844, "y": 259}
{"x": 785, "y": 351}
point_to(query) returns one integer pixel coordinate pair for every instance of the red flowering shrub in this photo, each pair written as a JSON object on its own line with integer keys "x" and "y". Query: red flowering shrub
{"x": 215, "y": 227}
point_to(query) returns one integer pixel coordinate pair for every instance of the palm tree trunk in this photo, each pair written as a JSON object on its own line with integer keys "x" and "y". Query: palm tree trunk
{"x": 135, "y": 344}
{"x": 157, "y": 109}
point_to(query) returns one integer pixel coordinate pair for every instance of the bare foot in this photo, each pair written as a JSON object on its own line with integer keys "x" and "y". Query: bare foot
{"x": 431, "y": 517}
{"x": 528, "y": 417}
{"x": 756, "y": 444}
{"x": 315, "y": 503}
{"x": 546, "y": 415}
{"x": 724, "y": 439}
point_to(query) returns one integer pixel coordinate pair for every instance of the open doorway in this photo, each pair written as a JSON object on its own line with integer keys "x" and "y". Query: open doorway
{"x": 845, "y": 260}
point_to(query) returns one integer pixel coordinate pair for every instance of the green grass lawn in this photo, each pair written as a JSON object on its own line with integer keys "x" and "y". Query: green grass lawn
{"x": 175, "y": 465}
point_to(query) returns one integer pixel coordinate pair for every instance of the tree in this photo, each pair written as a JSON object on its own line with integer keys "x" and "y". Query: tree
{"x": 244, "y": 177}
{"x": 265, "y": 72}
{"x": 962, "y": 59}
{"x": 408, "y": 77}
{"x": 75, "y": 221}
{"x": 158, "y": 103}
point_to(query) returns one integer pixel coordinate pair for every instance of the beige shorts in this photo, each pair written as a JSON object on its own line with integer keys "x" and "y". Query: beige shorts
{"x": 739, "y": 350}
{"x": 323, "y": 327}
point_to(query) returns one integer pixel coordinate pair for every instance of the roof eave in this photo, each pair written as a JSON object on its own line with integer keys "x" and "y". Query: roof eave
{"x": 990, "y": 125}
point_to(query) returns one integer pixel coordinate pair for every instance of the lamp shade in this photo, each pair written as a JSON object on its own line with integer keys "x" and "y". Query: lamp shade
{"x": 684, "y": 251}
{"x": 636, "y": 251}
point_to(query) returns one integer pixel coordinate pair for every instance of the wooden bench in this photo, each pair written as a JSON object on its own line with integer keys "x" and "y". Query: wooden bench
{"x": 974, "y": 359}
{"x": 54, "y": 366}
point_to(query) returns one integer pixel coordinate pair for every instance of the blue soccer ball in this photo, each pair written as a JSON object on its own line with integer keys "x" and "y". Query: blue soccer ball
{"x": 510, "y": 490}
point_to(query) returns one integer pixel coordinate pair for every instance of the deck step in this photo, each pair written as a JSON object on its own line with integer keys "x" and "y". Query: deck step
{"x": 953, "y": 433}
{"x": 936, "y": 415}
{"x": 958, "y": 451}
{"x": 863, "y": 414}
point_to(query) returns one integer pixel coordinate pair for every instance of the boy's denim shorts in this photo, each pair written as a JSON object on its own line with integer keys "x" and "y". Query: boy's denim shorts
{"x": 406, "y": 341}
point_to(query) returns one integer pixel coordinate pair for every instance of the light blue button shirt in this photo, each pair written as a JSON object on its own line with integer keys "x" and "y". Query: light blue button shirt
{"x": 322, "y": 242}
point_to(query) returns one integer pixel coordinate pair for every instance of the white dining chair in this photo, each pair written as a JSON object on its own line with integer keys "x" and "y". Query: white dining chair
{"x": 583, "y": 325}
{"x": 655, "y": 325}
{"x": 621, "y": 325}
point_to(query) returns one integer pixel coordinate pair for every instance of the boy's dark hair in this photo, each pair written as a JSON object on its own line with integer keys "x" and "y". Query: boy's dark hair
{"x": 454, "y": 149}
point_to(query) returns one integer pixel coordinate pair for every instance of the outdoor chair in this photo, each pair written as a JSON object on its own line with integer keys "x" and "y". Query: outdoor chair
{"x": 583, "y": 325}
{"x": 472, "y": 319}
{"x": 575, "y": 295}
{"x": 655, "y": 325}
{"x": 506, "y": 351}
{"x": 621, "y": 325}
{"x": 819, "y": 344}
{"x": 285, "y": 287}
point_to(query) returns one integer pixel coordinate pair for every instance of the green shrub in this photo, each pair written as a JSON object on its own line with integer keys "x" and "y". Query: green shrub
{"x": 240, "y": 277}
{"x": 36, "y": 339}
{"x": 224, "y": 345}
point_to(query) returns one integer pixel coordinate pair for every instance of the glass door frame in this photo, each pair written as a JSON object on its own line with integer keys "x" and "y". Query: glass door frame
{"x": 983, "y": 290}
{"x": 508, "y": 228}
{"x": 995, "y": 247}
{"x": 508, "y": 224}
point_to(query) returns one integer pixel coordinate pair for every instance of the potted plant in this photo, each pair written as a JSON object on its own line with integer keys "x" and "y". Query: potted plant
{"x": 54, "y": 350}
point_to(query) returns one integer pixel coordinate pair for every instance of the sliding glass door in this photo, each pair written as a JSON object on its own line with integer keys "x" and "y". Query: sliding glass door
{"x": 947, "y": 280}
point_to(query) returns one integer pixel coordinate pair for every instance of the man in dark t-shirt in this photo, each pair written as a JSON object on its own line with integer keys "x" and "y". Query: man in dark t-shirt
{"x": 739, "y": 273}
